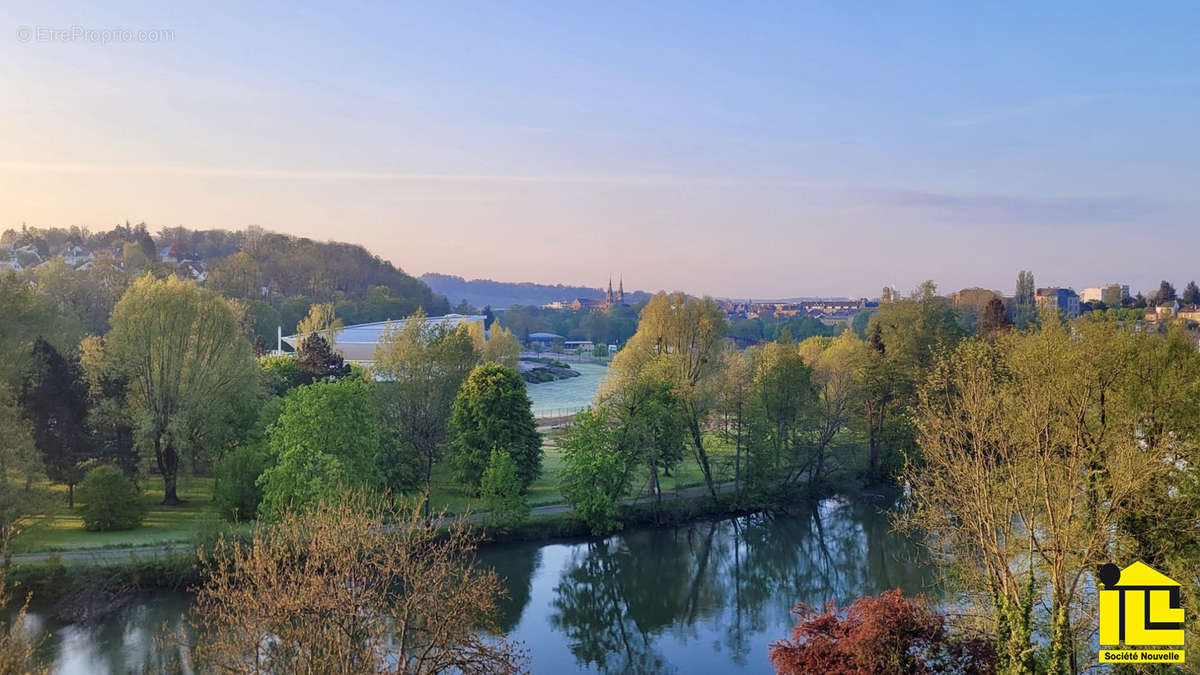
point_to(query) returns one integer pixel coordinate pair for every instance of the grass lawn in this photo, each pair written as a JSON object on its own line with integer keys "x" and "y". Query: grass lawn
{"x": 61, "y": 528}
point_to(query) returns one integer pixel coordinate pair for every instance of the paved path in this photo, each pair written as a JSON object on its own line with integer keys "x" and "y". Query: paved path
{"x": 102, "y": 555}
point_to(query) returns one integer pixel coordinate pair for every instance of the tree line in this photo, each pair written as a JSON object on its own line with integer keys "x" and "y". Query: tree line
{"x": 276, "y": 277}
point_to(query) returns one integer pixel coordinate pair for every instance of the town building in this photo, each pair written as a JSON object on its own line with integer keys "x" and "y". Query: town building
{"x": 1098, "y": 293}
{"x": 1065, "y": 300}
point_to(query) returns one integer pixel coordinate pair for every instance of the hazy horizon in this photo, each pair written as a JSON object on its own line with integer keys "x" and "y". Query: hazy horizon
{"x": 810, "y": 150}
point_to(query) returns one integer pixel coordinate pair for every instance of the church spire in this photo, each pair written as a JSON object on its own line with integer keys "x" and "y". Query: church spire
{"x": 621, "y": 290}
{"x": 608, "y": 297}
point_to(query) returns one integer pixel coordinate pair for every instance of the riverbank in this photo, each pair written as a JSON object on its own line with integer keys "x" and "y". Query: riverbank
{"x": 86, "y": 587}
{"x": 708, "y": 595}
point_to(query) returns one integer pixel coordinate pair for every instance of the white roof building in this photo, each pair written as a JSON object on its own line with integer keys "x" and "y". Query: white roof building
{"x": 357, "y": 343}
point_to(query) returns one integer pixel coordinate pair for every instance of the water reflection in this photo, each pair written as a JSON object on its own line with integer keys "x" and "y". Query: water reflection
{"x": 708, "y": 596}
{"x": 704, "y": 597}
{"x": 128, "y": 643}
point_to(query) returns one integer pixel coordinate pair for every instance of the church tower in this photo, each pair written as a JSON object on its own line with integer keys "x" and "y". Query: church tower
{"x": 608, "y": 297}
{"x": 620, "y": 290}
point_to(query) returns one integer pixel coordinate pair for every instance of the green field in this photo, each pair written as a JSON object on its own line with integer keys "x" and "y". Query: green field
{"x": 61, "y": 528}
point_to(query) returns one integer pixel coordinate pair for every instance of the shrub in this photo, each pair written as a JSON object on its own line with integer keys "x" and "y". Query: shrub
{"x": 111, "y": 501}
{"x": 889, "y": 634}
{"x": 501, "y": 489}
{"x": 237, "y": 491}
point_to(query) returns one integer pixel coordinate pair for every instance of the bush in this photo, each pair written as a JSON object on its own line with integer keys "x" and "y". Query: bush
{"x": 111, "y": 501}
{"x": 889, "y": 634}
{"x": 501, "y": 489}
{"x": 237, "y": 491}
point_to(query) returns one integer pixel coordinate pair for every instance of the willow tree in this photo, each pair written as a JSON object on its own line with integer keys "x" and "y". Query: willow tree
{"x": 683, "y": 337}
{"x": 421, "y": 365}
{"x": 188, "y": 366}
{"x": 838, "y": 366}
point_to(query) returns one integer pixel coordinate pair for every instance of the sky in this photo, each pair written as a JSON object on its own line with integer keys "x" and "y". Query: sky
{"x": 739, "y": 149}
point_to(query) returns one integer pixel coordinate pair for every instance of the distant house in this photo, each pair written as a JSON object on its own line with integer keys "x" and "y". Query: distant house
{"x": 10, "y": 264}
{"x": 191, "y": 269}
{"x": 586, "y": 303}
{"x": 581, "y": 345}
{"x": 1189, "y": 313}
{"x": 1065, "y": 300}
{"x": 1165, "y": 310}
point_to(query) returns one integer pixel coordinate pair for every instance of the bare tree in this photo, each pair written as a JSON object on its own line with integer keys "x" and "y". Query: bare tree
{"x": 351, "y": 587}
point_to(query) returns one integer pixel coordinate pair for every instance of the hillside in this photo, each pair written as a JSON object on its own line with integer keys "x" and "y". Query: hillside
{"x": 499, "y": 294}
{"x": 277, "y": 276}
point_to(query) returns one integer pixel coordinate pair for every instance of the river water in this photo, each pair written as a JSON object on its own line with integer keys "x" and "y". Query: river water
{"x": 706, "y": 597}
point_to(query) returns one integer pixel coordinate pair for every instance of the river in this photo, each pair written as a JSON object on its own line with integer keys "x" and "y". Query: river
{"x": 705, "y": 597}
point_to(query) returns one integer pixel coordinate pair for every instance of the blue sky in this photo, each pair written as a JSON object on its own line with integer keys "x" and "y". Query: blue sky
{"x": 745, "y": 149}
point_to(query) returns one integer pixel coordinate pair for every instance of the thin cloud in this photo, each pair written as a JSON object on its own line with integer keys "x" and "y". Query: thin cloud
{"x": 1006, "y": 113}
{"x": 1000, "y": 209}
{"x": 647, "y": 180}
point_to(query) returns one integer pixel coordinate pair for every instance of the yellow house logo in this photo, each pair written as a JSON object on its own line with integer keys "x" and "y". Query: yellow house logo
{"x": 1140, "y": 607}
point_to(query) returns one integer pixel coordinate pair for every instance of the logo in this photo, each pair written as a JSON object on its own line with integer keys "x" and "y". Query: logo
{"x": 1139, "y": 607}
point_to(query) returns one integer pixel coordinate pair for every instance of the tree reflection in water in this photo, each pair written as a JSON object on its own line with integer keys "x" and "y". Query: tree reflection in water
{"x": 635, "y": 601}
{"x": 704, "y": 597}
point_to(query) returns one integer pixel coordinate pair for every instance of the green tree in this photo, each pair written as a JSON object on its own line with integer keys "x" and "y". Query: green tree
{"x": 734, "y": 404}
{"x": 651, "y": 428}
{"x": 785, "y": 399}
{"x": 596, "y": 470}
{"x": 188, "y": 365}
{"x": 420, "y": 365}
{"x": 18, "y": 457}
{"x": 237, "y": 490}
{"x": 837, "y": 366}
{"x": 318, "y": 361}
{"x": 1037, "y": 449}
{"x": 1026, "y": 290}
{"x": 110, "y": 420}
{"x": 110, "y": 500}
{"x": 321, "y": 320}
{"x": 495, "y": 345}
{"x": 326, "y": 440}
{"x": 685, "y": 336}
{"x": 994, "y": 318}
{"x": 55, "y": 399}
{"x": 859, "y": 324}
{"x": 1165, "y": 293}
{"x": 237, "y": 276}
{"x": 501, "y": 488}
{"x": 1191, "y": 294}
{"x": 1025, "y": 300}
{"x": 492, "y": 412}
{"x": 27, "y": 316}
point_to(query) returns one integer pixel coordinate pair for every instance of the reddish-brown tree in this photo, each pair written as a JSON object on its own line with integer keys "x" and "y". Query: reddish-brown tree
{"x": 888, "y": 635}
